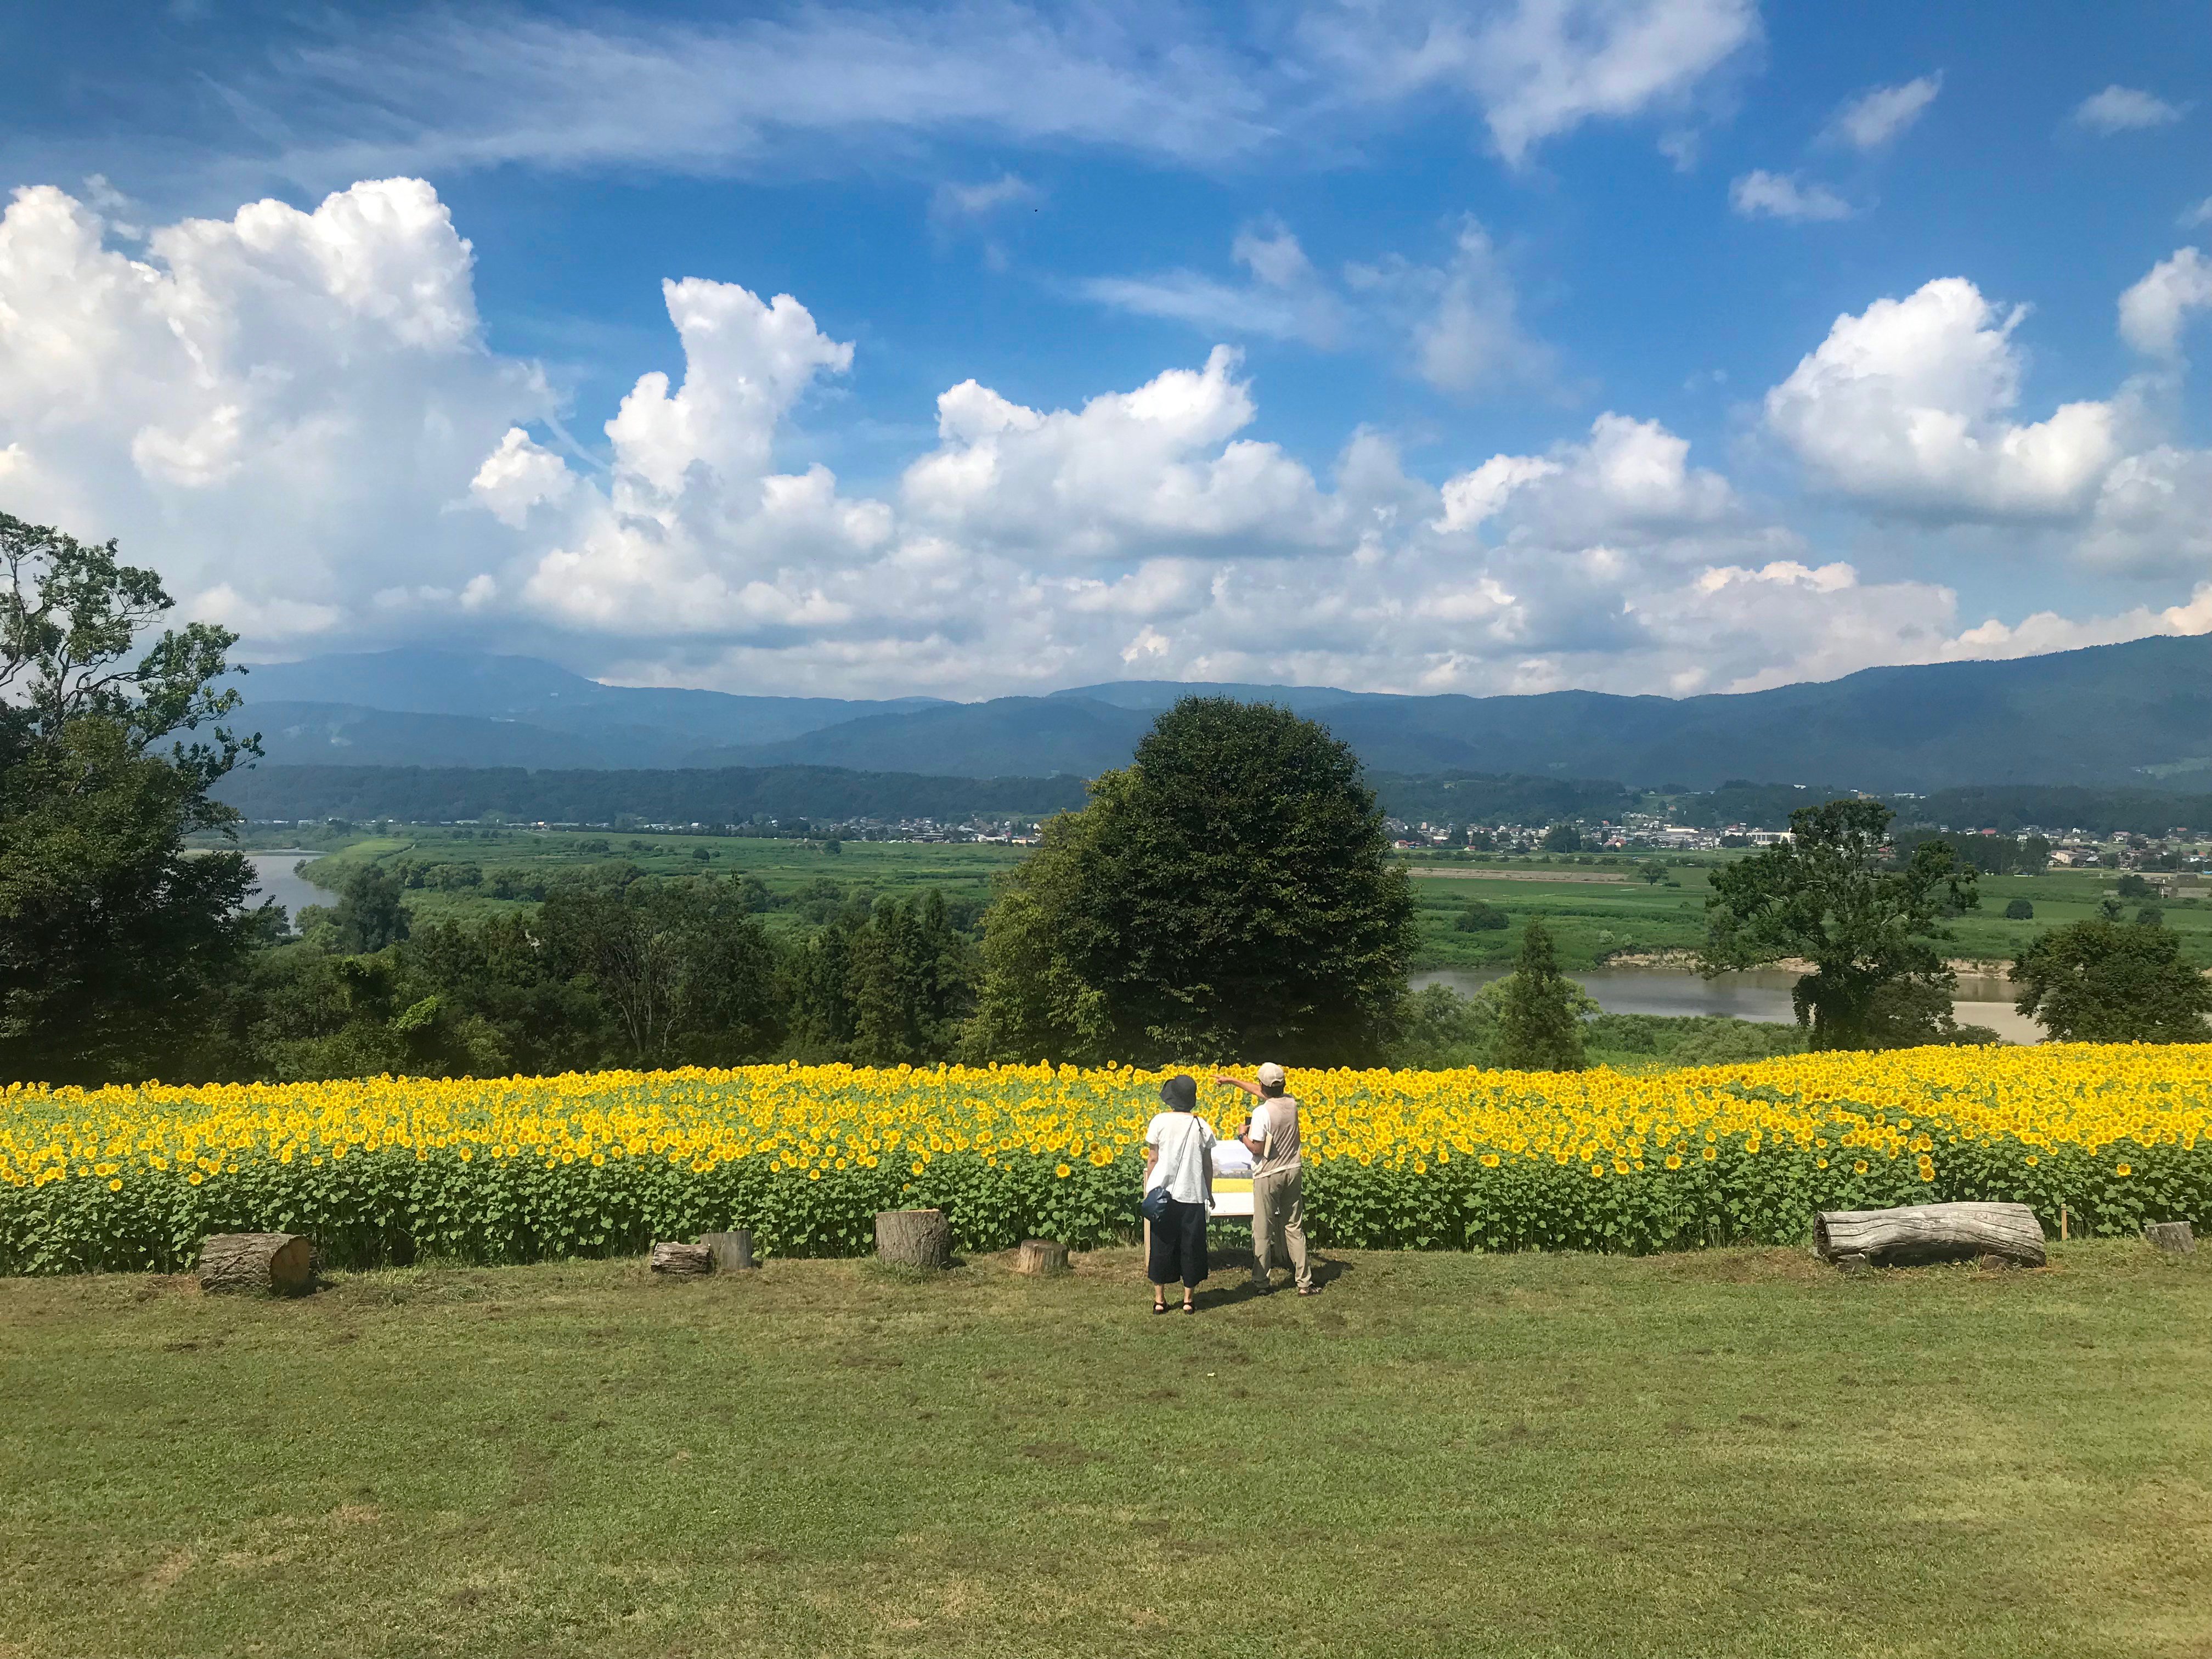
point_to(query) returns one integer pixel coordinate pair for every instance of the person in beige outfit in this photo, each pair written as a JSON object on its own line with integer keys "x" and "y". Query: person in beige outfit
{"x": 1278, "y": 1216}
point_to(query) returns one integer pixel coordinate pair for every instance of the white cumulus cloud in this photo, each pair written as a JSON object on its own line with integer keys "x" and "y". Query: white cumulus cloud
{"x": 2124, "y": 109}
{"x": 1760, "y": 194}
{"x": 294, "y": 415}
{"x": 268, "y": 407}
{"x": 1904, "y": 407}
{"x": 2153, "y": 311}
{"x": 1881, "y": 113}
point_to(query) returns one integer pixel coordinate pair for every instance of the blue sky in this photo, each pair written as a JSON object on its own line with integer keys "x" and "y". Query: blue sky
{"x": 1656, "y": 345}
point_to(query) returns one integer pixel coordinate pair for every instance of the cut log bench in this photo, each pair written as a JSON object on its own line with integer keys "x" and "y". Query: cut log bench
{"x": 2174, "y": 1237}
{"x": 269, "y": 1264}
{"x": 913, "y": 1238}
{"x": 684, "y": 1260}
{"x": 1916, "y": 1234}
{"x": 1040, "y": 1256}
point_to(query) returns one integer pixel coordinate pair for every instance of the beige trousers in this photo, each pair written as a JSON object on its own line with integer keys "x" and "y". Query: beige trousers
{"x": 1279, "y": 1224}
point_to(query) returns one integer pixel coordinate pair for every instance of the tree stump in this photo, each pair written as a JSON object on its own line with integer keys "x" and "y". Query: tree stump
{"x": 732, "y": 1251}
{"x": 1040, "y": 1255}
{"x": 686, "y": 1259}
{"x": 273, "y": 1264}
{"x": 913, "y": 1238}
{"x": 2174, "y": 1237}
{"x": 1918, "y": 1233}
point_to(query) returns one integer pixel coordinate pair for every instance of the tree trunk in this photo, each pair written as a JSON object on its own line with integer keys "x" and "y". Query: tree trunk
{"x": 2174, "y": 1237}
{"x": 732, "y": 1251}
{"x": 917, "y": 1238}
{"x": 276, "y": 1264}
{"x": 1919, "y": 1233}
{"x": 1040, "y": 1255}
{"x": 686, "y": 1259}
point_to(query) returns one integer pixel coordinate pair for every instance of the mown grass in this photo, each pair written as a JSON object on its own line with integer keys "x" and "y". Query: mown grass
{"x": 1734, "y": 1453}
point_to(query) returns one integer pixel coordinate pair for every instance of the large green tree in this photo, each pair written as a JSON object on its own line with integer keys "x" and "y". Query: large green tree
{"x": 1231, "y": 893}
{"x": 2105, "y": 982}
{"x": 112, "y": 936}
{"x": 1836, "y": 896}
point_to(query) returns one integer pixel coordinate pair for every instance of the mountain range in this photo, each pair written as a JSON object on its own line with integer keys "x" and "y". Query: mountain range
{"x": 2138, "y": 713}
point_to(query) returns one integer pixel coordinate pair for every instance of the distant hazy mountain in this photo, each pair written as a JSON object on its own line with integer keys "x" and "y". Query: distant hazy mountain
{"x": 2139, "y": 713}
{"x": 466, "y": 682}
{"x": 1007, "y": 737}
{"x": 347, "y": 734}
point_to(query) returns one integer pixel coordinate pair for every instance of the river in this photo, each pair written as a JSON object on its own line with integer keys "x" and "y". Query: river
{"x": 1762, "y": 995}
{"x": 273, "y": 878}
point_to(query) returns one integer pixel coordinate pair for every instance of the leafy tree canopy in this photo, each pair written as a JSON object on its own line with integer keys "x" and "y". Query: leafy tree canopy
{"x": 112, "y": 937}
{"x": 1539, "y": 1018}
{"x": 1832, "y": 895}
{"x": 1231, "y": 893}
{"x": 2105, "y": 982}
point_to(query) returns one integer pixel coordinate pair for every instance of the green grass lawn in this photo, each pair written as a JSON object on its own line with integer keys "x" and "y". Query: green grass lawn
{"x": 1736, "y": 1453}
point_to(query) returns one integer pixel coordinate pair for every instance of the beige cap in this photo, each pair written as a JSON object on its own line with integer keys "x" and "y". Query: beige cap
{"x": 1272, "y": 1073}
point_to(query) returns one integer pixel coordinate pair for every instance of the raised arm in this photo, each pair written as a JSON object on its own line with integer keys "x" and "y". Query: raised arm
{"x": 1251, "y": 1089}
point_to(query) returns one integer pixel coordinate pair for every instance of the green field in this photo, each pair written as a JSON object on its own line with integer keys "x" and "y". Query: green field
{"x": 963, "y": 870}
{"x": 1728, "y": 1455}
{"x": 1592, "y": 920}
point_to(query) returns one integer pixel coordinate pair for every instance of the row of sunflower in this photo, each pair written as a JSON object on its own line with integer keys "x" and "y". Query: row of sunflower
{"x": 523, "y": 1169}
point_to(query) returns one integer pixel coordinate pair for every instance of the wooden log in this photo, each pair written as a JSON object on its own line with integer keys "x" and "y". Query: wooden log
{"x": 1917, "y": 1233}
{"x": 271, "y": 1264}
{"x": 1040, "y": 1255}
{"x": 732, "y": 1251}
{"x": 2174, "y": 1237}
{"x": 913, "y": 1238}
{"x": 688, "y": 1259}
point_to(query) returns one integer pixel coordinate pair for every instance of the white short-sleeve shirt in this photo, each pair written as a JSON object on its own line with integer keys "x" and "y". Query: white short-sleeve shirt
{"x": 1182, "y": 1141}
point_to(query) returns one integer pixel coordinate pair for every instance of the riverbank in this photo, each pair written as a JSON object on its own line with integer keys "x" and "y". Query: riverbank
{"x": 1672, "y": 989}
{"x": 1687, "y": 962}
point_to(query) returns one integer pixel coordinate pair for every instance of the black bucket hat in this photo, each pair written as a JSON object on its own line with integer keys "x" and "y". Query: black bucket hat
{"x": 1180, "y": 1094}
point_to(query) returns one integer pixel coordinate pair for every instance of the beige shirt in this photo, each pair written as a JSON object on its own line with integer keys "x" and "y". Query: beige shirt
{"x": 1275, "y": 1127}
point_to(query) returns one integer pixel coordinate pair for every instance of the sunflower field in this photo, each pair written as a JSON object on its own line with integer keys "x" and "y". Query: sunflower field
{"x": 387, "y": 1171}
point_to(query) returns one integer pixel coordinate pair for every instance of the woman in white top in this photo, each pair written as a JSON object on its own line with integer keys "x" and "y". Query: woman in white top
{"x": 1177, "y": 1143}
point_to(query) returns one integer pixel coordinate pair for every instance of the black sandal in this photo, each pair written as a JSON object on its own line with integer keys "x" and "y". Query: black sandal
{"x": 1159, "y": 1307}
{"x": 1190, "y": 1307}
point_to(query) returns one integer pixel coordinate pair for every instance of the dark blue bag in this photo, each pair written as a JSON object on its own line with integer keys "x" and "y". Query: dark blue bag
{"x": 1155, "y": 1204}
